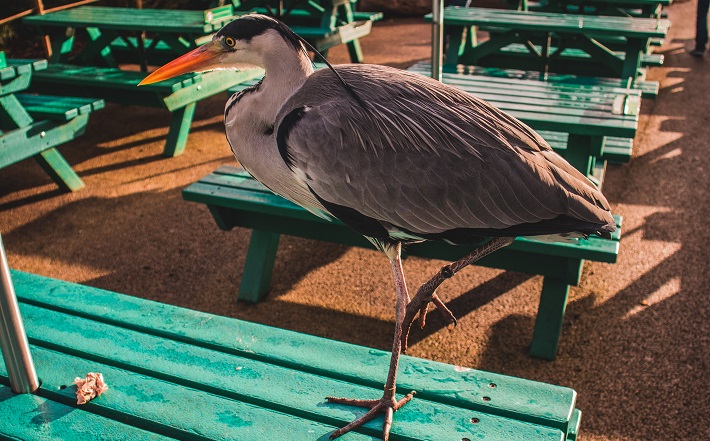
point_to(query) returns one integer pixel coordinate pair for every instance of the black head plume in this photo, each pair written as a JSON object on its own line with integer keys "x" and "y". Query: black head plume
{"x": 250, "y": 26}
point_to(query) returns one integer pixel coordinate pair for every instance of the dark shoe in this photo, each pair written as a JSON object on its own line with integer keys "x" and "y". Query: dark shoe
{"x": 698, "y": 52}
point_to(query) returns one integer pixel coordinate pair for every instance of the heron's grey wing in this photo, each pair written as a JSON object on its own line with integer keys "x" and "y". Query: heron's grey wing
{"x": 425, "y": 158}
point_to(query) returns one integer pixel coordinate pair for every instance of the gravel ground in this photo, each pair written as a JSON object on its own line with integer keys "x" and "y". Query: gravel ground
{"x": 635, "y": 341}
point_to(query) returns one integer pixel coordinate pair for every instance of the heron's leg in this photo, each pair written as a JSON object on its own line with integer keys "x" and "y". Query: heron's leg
{"x": 388, "y": 404}
{"x": 427, "y": 292}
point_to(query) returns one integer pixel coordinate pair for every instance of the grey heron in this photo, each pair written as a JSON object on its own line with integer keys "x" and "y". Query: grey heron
{"x": 396, "y": 156}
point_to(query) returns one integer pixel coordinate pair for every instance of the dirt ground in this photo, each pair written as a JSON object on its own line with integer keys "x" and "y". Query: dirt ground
{"x": 636, "y": 340}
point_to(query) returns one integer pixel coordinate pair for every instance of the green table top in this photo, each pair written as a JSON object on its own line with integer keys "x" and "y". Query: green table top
{"x": 131, "y": 19}
{"x": 620, "y": 3}
{"x": 629, "y": 27}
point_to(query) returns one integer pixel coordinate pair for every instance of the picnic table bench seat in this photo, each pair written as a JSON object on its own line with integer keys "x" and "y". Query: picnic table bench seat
{"x": 175, "y": 373}
{"x": 33, "y": 126}
{"x": 568, "y": 61}
{"x": 235, "y": 199}
{"x": 649, "y": 89}
{"x": 177, "y": 95}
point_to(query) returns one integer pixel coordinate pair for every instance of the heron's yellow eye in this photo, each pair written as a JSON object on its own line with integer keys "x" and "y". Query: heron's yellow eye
{"x": 229, "y": 41}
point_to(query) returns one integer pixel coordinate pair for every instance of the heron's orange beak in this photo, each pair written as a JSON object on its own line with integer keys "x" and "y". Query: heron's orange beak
{"x": 198, "y": 60}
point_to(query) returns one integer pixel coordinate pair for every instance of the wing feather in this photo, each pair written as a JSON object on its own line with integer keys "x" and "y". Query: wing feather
{"x": 427, "y": 158}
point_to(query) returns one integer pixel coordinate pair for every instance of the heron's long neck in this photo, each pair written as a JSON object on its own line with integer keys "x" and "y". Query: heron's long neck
{"x": 285, "y": 74}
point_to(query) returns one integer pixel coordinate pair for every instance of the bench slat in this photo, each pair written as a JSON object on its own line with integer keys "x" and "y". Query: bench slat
{"x": 571, "y": 83}
{"x": 38, "y": 418}
{"x": 58, "y": 107}
{"x": 587, "y": 24}
{"x": 163, "y": 407}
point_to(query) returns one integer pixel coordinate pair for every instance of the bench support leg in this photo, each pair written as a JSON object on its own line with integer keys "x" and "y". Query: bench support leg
{"x": 355, "y": 51}
{"x": 548, "y": 325}
{"x": 179, "y": 129}
{"x": 259, "y": 265}
{"x": 54, "y": 164}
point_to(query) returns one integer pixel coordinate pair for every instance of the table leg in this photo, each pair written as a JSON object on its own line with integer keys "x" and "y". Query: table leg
{"x": 179, "y": 130}
{"x": 550, "y": 316}
{"x": 258, "y": 266}
{"x": 601, "y": 54}
{"x": 62, "y": 43}
{"x": 98, "y": 48}
{"x": 12, "y": 114}
{"x": 54, "y": 164}
{"x": 632, "y": 60}
{"x": 582, "y": 151}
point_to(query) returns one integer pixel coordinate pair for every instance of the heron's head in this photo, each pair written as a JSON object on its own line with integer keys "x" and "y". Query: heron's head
{"x": 249, "y": 41}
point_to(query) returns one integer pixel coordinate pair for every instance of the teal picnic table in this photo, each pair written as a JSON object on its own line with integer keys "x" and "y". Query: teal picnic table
{"x": 323, "y": 23}
{"x": 92, "y": 69}
{"x": 32, "y": 126}
{"x": 550, "y": 41}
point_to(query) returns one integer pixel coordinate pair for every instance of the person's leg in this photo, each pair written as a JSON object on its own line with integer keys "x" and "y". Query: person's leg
{"x": 701, "y": 27}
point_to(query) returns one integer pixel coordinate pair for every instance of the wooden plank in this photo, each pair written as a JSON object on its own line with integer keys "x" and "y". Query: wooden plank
{"x": 26, "y": 142}
{"x": 183, "y": 22}
{"x": 164, "y": 408}
{"x": 167, "y": 329}
{"x": 551, "y": 22}
{"x": 32, "y": 417}
{"x": 58, "y": 107}
{"x": 648, "y": 89}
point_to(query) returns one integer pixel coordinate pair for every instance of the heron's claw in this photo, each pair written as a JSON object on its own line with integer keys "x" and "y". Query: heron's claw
{"x": 387, "y": 405}
{"x": 421, "y": 308}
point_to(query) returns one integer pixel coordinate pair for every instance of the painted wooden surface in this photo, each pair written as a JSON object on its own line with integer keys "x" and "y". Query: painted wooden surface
{"x": 601, "y": 37}
{"x": 235, "y": 199}
{"x": 629, "y": 27}
{"x": 649, "y": 89}
{"x": 33, "y": 125}
{"x": 93, "y": 70}
{"x": 190, "y": 375}
{"x": 177, "y": 95}
{"x": 131, "y": 19}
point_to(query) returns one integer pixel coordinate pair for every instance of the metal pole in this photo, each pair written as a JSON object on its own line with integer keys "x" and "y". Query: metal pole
{"x": 13, "y": 340}
{"x": 437, "y": 38}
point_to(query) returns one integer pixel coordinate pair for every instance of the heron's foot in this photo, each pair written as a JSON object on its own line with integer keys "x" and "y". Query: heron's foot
{"x": 388, "y": 404}
{"x": 421, "y": 307}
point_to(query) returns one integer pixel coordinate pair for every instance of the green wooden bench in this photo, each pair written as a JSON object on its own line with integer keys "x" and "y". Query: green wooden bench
{"x": 566, "y": 61}
{"x": 175, "y": 373}
{"x": 616, "y": 150}
{"x": 178, "y": 95}
{"x": 648, "y": 89}
{"x": 236, "y": 200}
{"x": 32, "y": 126}
{"x": 597, "y": 36}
